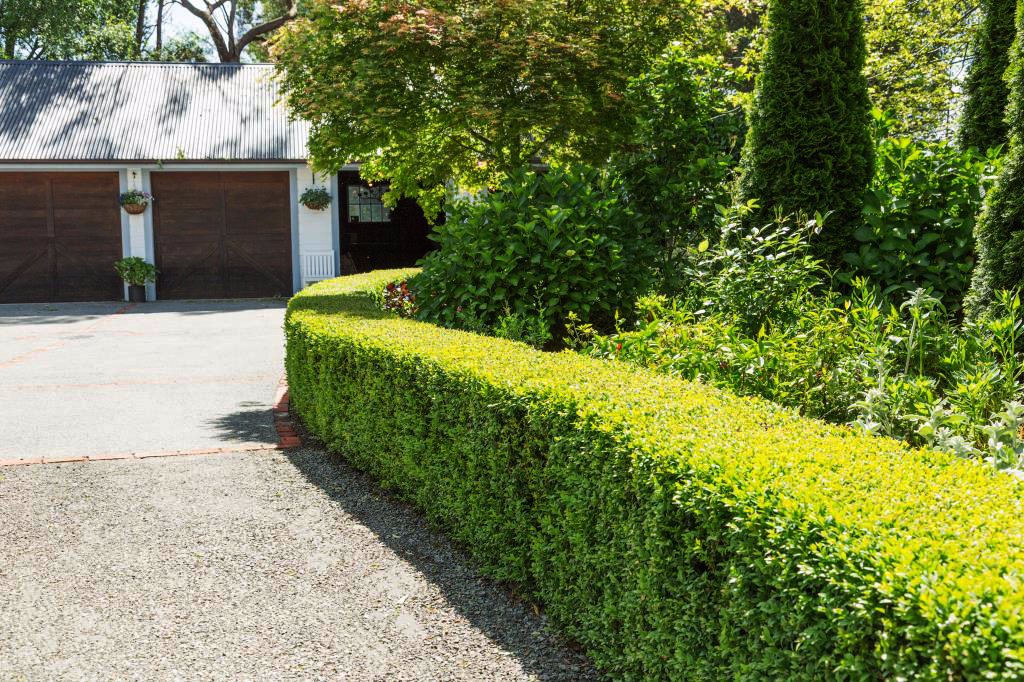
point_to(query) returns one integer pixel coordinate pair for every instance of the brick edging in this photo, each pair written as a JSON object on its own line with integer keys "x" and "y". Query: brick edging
{"x": 286, "y": 434}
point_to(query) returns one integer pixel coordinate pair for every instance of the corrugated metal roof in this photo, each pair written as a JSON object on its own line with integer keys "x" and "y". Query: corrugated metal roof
{"x": 139, "y": 111}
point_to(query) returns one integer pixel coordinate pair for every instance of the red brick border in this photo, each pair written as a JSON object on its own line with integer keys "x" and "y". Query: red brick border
{"x": 286, "y": 434}
{"x": 289, "y": 437}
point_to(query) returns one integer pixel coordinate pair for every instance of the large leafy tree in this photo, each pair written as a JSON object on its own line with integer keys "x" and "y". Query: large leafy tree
{"x": 810, "y": 148}
{"x": 70, "y": 29}
{"x": 445, "y": 90}
{"x": 1000, "y": 230}
{"x": 983, "y": 124}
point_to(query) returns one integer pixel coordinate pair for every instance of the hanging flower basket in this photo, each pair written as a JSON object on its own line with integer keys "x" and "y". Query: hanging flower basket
{"x": 316, "y": 198}
{"x": 135, "y": 201}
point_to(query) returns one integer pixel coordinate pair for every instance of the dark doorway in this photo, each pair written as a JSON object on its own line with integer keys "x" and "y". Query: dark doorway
{"x": 373, "y": 237}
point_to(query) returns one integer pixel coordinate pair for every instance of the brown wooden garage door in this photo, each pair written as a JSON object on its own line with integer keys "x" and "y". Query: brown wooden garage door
{"x": 60, "y": 234}
{"x": 222, "y": 235}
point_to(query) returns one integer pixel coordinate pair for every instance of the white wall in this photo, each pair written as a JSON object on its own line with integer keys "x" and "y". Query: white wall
{"x": 136, "y": 223}
{"x": 316, "y": 228}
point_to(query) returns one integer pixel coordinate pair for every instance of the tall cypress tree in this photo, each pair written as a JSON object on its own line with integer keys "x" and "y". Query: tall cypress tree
{"x": 1000, "y": 230}
{"x": 810, "y": 147}
{"x": 983, "y": 124}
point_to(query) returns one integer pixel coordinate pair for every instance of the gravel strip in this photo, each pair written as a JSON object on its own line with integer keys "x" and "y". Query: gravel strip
{"x": 245, "y": 566}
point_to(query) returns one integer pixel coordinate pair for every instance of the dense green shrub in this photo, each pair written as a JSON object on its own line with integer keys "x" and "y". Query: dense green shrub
{"x": 1000, "y": 230}
{"x": 809, "y": 147}
{"x": 674, "y": 530}
{"x": 753, "y": 274}
{"x": 688, "y": 137}
{"x": 983, "y": 122}
{"x": 905, "y": 371}
{"x": 541, "y": 246}
{"x": 919, "y": 217}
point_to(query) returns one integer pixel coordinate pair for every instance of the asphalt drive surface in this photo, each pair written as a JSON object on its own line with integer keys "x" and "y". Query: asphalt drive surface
{"x": 101, "y": 378}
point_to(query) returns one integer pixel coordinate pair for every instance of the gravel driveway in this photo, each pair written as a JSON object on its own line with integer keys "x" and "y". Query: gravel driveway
{"x": 271, "y": 565}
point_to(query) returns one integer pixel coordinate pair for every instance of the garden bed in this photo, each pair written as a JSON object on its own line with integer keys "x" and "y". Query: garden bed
{"x": 675, "y": 530}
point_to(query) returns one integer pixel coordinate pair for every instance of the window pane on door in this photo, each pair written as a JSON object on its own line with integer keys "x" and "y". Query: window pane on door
{"x": 365, "y": 205}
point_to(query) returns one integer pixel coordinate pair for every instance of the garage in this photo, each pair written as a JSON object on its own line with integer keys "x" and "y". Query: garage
{"x": 222, "y": 234}
{"x": 60, "y": 235}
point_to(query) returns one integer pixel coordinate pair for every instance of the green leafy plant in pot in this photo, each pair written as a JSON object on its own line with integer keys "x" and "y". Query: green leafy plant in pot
{"x": 136, "y": 273}
{"x": 316, "y": 198}
{"x": 135, "y": 201}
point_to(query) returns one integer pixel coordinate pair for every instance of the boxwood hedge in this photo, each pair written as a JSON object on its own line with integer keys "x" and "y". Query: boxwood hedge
{"x": 674, "y": 530}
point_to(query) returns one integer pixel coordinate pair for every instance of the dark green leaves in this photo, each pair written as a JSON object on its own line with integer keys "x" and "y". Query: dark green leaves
{"x": 541, "y": 245}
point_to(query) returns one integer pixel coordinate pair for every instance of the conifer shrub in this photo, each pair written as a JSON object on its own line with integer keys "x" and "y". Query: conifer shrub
{"x": 675, "y": 530}
{"x": 983, "y": 123}
{"x": 1000, "y": 230}
{"x": 810, "y": 148}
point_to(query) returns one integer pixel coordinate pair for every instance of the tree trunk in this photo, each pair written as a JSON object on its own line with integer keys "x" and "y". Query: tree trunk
{"x": 140, "y": 27}
{"x": 159, "y": 26}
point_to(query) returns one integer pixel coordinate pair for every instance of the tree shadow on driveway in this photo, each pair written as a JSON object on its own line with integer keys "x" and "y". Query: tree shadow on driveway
{"x": 492, "y": 610}
{"x": 253, "y": 425}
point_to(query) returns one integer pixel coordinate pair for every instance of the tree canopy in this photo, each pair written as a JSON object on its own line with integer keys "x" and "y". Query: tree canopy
{"x": 446, "y": 91}
{"x": 914, "y": 63}
{"x": 44, "y": 29}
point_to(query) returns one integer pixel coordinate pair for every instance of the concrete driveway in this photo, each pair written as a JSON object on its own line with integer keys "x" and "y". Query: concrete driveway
{"x": 89, "y": 379}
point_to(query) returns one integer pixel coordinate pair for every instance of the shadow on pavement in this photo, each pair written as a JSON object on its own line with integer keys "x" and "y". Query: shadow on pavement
{"x": 542, "y": 654}
{"x": 246, "y": 426}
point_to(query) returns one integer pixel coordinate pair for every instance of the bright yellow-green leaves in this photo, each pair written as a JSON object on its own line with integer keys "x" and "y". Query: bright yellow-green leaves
{"x": 676, "y": 531}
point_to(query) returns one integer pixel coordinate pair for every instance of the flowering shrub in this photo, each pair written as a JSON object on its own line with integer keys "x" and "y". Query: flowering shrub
{"x": 397, "y": 298}
{"x": 136, "y": 197}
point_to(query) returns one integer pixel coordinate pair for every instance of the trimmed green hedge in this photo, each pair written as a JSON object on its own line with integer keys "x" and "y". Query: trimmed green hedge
{"x": 676, "y": 531}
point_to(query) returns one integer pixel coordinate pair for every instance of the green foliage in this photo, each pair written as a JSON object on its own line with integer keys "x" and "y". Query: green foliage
{"x": 542, "y": 245}
{"x": 315, "y": 198}
{"x": 71, "y": 29}
{"x": 188, "y": 47}
{"x": 754, "y": 274}
{"x": 687, "y": 141}
{"x": 983, "y": 122}
{"x": 859, "y": 359}
{"x": 674, "y": 530}
{"x": 809, "y": 147}
{"x": 916, "y": 53}
{"x": 919, "y": 217}
{"x": 915, "y": 62}
{"x": 1000, "y": 231}
{"x": 464, "y": 93}
{"x": 135, "y": 271}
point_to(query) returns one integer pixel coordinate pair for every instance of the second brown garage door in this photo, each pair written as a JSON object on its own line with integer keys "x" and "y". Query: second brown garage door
{"x": 222, "y": 235}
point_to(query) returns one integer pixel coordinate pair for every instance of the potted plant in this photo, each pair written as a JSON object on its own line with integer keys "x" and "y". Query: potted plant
{"x": 316, "y": 198}
{"x": 135, "y": 201}
{"x": 136, "y": 273}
